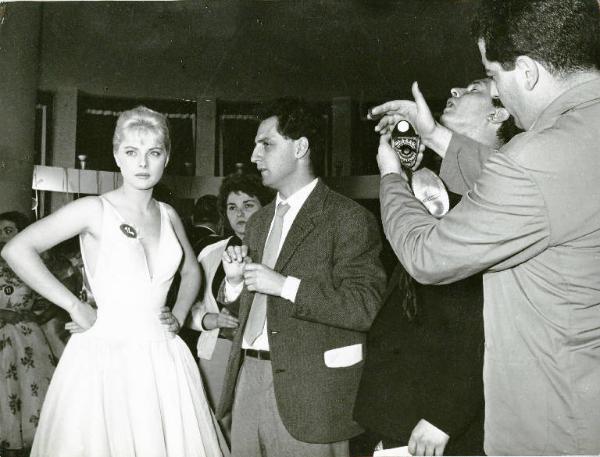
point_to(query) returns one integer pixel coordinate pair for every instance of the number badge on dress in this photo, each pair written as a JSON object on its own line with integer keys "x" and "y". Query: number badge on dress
{"x": 128, "y": 230}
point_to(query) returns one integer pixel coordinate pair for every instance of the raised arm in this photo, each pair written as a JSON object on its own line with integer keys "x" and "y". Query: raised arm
{"x": 22, "y": 253}
{"x": 479, "y": 233}
{"x": 433, "y": 134}
{"x": 463, "y": 158}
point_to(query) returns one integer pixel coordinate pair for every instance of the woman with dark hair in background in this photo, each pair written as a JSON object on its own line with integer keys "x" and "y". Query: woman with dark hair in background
{"x": 26, "y": 358}
{"x": 240, "y": 196}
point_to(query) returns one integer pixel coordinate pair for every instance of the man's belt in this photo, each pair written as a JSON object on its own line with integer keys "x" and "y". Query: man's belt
{"x": 260, "y": 355}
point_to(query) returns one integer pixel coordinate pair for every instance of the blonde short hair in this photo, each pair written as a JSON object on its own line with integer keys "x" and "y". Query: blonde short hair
{"x": 142, "y": 117}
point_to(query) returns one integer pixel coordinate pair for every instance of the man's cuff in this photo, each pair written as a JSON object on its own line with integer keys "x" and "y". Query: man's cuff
{"x": 388, "y": 173}
{"x": 196, "y": 322}
{"x": 396, "y": 179}
{"x": 232, "y": 292}
{"x": 290, "y": 288}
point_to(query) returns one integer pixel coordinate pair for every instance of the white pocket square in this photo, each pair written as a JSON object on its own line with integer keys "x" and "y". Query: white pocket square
{"x": 394, "y": 452}
{"x": 343, "y": 357}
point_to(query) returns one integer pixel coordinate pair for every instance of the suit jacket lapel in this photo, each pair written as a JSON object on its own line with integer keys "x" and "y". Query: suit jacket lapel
{"x": 303, "y": 224}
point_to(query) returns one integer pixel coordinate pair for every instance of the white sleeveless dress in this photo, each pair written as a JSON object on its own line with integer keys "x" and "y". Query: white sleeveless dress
{"x": 126, "y": 387}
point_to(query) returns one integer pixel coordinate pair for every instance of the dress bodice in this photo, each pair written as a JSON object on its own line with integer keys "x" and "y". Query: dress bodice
{"x": 127, "y": 296}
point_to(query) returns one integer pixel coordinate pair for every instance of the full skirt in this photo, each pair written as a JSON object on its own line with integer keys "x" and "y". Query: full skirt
{"x": 125, "y": 398}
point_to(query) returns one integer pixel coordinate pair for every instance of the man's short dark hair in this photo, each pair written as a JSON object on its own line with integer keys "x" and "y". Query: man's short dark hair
{"x": 295, "y": 119}
{"x": 562, "y": 35}
{"x": 205, "y": 210}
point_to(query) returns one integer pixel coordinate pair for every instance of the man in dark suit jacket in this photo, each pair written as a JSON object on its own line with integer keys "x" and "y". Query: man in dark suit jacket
{"x": 292, "y": 387}
{"x": 422, "y": 384}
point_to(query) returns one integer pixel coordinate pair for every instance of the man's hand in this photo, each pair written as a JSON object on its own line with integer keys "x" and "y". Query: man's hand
{"x": 234, "y": 258}
{"x": 259, "y": 278}
{"x": 224, "y": 319}
{"x": 417, "y": 112}
{"x": 392, "y": 112}
{"x": 426, "y": 439}
{"x": 387, "y": 159}
{"x": 168, "y": 319}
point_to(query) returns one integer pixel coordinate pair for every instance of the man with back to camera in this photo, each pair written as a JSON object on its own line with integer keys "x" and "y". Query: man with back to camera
{"x": 296, "y": 360}
{"x": 422, "y": 382}
{"x": 205, "y": 223}
{"x": 532, "y": 223}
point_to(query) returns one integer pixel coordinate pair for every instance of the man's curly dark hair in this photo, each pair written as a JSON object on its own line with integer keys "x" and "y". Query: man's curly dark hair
{"x": 297, "y": 118}
{"x": 562, "y": 35}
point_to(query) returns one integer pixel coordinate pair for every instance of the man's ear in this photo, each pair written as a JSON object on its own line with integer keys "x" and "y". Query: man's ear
{"x": 301, "y": 147}
{"x": 528, "y": 71}
{"x": 498, "y": 116}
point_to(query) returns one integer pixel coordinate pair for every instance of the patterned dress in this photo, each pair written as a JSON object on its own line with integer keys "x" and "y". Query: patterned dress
{"x": 26, "y": 364}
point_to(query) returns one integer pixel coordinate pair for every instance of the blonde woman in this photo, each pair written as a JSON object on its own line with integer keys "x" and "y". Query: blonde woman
{"x": 126, "y": 384}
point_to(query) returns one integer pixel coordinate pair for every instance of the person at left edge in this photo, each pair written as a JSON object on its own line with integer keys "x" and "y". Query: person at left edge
{"x": 294, "y": 369}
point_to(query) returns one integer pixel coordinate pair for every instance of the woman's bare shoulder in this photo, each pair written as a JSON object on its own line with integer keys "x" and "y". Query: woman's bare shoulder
{"x": 171, "y": 212}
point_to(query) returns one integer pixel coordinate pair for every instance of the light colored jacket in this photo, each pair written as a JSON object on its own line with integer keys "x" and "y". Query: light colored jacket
{"x": 209, "y": 259}
{"x": 532, "y": 221}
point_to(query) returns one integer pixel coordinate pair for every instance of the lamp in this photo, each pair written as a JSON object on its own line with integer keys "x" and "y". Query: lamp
{"x": 82, "y": 158}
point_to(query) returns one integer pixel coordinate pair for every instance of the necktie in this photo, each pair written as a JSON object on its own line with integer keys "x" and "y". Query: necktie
{"x": 258, "y": 311}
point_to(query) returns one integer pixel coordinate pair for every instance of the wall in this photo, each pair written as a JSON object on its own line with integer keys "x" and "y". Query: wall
{"x": 359, "y": 51}
{"x": 256, "y": 49}
{"x": 19, "y": 48}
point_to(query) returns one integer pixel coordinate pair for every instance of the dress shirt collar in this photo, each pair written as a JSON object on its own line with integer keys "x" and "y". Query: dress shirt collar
{"x": 580, "y": 94}
{"x": 297, "y": 199}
